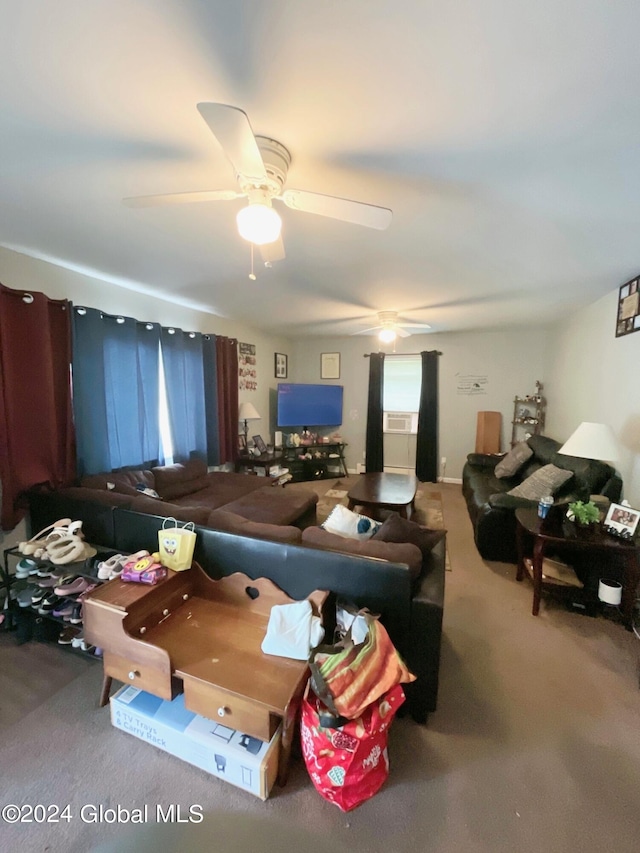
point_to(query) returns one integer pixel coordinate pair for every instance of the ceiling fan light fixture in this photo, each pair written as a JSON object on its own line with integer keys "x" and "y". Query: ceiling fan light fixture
{"x": 258, "y": 222}
{"x": 387, "y": 336}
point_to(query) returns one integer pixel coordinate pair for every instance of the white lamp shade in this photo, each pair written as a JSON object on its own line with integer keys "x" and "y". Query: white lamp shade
{"x": 247, "y": 412}
{"x": 259, "y": 224}
{"x": 592, "y": 441}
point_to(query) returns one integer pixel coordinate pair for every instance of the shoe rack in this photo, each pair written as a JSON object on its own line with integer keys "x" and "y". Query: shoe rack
{"x": 33, "y": 621}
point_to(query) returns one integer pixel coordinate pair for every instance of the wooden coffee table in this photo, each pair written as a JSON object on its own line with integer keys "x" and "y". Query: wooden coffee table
{"x": 387, "y": 491}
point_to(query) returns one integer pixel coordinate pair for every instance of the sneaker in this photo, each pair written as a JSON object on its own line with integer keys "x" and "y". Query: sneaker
{"x": 76, "y": 615}
{"x": 44, "y": 571}
{"x": 38, "y": 595}
{"x": 48, "y": 604}
{"x": 87, "y": 647}
{"x": 64, "y": 609}
{"x": 68, "y": 635}
{"x": 26, "y": 567}
{"x": 78, "y": 640}
{"x": 24, "y": 596}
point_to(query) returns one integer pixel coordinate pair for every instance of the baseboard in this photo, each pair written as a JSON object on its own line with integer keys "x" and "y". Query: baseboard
{"x": 450, "y": 480}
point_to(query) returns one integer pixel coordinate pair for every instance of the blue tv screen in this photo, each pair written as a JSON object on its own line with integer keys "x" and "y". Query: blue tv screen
{"x": 301, "y": 405}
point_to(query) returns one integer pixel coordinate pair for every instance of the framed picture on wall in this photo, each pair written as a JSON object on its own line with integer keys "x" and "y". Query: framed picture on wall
{"x": 628, "y": 316}
{"x": 330, "y": 365}
{"x": 281, "y": 365}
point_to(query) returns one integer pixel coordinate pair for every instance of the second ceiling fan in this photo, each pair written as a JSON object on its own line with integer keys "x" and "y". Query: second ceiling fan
{"x": 261, "y": 165}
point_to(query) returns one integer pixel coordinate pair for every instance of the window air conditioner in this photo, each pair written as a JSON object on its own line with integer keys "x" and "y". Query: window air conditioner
{"x": 403, "y": 422}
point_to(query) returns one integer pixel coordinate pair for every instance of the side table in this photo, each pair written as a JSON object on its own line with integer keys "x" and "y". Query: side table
{"x": 556, "y": 531}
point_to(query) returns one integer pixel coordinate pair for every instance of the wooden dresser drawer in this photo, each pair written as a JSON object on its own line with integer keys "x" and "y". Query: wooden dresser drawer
{"x": 143, "y": 676}
{"x": 233, "y": 711}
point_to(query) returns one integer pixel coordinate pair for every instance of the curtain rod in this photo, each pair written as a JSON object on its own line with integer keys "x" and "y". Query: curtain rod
{"x": 391, "y": 354}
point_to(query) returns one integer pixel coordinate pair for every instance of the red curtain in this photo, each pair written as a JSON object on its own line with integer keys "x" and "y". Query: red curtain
{"x": 227, "y": 375}
{"x": 37, "y": 441}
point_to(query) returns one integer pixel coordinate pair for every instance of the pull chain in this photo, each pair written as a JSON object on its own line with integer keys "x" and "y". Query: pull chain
{"x": 252, "y": 275}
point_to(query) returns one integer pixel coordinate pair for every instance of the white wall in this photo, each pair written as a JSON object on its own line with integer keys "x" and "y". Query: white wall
{"x": 593, "y": 376}
{"x": 20, "y": 271}
{"x": 511, "y": 361}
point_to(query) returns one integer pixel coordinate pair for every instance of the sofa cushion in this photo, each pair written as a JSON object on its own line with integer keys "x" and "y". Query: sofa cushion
{"x": 351, "y": 525}
{"x": 101, "y": 496}
{"x": 231, "y": 522}
{"x": 513, "y": 461}
{"x": 545, "y": 481}
{"x": 398, "y": 529}
{"x": 393, "y": 552}
{"x": 174, "y": 481}
{"x": 272, "y": 505}
{"x": 122, "y": 482}
{"x": 151, "y": 506}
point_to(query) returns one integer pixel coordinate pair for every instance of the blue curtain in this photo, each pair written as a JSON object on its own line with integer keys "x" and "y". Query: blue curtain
{"x": 182, "y": 358}
{"x": 115, "y": 391}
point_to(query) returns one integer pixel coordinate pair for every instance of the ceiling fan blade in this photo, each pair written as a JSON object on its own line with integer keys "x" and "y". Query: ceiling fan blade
{"x": 416, "y": 326}
{"x": 402, "y": 333}
{"x": 272, "y": 252}
{"x": 367, "y": 331}
{"x": 369, "y": 215}
{"x": 181, "y": 198}
{"x": 232, "y": 129}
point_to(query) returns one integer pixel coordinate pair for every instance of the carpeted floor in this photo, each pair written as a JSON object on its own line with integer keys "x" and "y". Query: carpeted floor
{"x": 534, "y": 746}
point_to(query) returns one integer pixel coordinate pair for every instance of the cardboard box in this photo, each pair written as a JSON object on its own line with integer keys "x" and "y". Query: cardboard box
{"x": 244, "y": 761}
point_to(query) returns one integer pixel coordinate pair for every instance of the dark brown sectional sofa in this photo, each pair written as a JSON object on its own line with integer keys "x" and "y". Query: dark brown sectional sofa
{"x": 235, "y": 503}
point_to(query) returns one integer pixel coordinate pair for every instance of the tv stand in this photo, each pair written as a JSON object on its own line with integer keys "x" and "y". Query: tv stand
{"x": 321, "y": 461}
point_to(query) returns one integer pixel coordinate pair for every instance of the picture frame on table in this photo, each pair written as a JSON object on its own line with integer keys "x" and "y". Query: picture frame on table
{"x": 622, "y": 521}
{"x": 281, "y": 365}
{"x": 259, "y": 443}
{"x": 242, "y": 444}
{"x": 330, "y": 365}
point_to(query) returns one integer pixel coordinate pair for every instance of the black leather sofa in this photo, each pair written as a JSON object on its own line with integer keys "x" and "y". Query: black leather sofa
{"x": 492, "y": 510}
{"x": 412, "y": 612}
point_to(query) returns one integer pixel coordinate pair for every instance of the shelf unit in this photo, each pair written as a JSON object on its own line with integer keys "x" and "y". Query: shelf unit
{"x": 84, "y": 568}
{"x": 528, "y": 415}
{"x": 321, "y": 461}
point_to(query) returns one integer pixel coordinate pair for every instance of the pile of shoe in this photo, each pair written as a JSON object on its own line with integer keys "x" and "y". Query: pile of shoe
{"x": 112, "y": 567}
{"x": 61, "y": 543}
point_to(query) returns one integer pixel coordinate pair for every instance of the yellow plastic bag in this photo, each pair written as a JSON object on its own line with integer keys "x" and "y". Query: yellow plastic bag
{"x": 176, "y": 544}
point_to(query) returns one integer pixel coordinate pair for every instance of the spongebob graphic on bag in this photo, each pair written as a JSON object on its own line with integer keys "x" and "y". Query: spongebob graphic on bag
{"x": 176, "y": 544}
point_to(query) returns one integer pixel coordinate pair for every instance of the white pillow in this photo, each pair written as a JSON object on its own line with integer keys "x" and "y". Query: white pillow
{"x": 350, "y": 525}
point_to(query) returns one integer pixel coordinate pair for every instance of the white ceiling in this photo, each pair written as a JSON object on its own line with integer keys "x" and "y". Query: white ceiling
{"x": 503, "y": 134}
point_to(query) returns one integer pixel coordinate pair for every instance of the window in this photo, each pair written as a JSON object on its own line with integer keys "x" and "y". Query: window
{"x": 401, "y": 403}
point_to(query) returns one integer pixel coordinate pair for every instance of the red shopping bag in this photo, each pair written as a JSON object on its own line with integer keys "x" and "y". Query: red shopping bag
{"x": 348, "y": 765}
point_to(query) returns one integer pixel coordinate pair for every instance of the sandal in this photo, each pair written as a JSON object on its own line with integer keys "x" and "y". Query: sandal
{"x": 39, "y": 540}
{"x": 69, "y": 549}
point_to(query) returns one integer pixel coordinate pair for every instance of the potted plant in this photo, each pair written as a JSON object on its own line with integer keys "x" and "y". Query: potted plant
{"x": 582, "y": 513}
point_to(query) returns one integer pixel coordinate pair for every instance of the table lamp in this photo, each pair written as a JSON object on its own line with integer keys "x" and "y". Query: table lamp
{"x": 592, "y": 441}
{"x": 247, "y": 412}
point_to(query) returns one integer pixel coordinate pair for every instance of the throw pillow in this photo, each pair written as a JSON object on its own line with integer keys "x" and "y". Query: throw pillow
{"x": 398, "y": 529}
{"x": 545, "y": 481}
{"x": 514, "y": 460}
{"x": 351, "y": 525}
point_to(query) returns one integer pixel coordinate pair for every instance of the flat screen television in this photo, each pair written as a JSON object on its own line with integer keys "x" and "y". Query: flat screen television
{"x": 301, "y": 405}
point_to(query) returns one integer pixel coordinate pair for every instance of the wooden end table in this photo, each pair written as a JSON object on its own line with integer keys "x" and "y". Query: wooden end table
{"x": 556, "y": 531}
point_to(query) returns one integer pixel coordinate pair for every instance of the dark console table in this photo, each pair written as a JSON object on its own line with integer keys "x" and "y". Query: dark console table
{"x": 326, "y": 461}
{"x": 557, "y": 532}
{"x": 265, "y": 460}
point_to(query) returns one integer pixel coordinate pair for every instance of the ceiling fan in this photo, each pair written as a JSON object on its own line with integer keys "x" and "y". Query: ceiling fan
{"x": 261, "y": 165}
{"x": 390, "y": 326}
